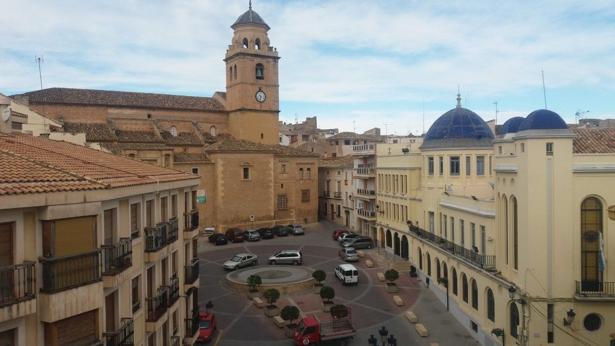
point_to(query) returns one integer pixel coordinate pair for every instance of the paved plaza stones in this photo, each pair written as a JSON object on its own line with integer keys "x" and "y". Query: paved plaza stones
{"x": 242, "y": 323}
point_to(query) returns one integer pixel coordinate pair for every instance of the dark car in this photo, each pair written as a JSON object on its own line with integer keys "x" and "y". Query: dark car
{"x": 359, "y": 243}
{"x": 281, "y": 231}
{"x": 218, "y": 239}
{"x": 234, "y": 235}
{"x": 266, "y": 233}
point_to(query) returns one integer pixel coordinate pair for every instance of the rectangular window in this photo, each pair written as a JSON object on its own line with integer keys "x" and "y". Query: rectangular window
{"x": 283, "y": 169}
{"x": 483, "y": 240}
{"x": 136, "y": 294}
{"x": 431, "y": 221}
{"x": 195, "y": 171}
{"x": 441, "y": 167}
{"x": 149, "y": 213}
{"x": 164, "y": 216}
{"x": 490, "y": 164}
{"x": 174, "y": 206}
{"x": 550, "y": 333}
{"x": 430, "y": 165}
{"x": 468, "y": 165}
{"x": 282, "y": 202}
{"x": 347, "y": 142}
{"x": 549, "y": 149}
{"x": 135, "y": 220}
{"x": 480, "y": 165}
{"x": 308, "y": 173}
{"x": 339, "y": 211}
{"x": 110, "y": 221}
{"x": 305, "y": 196}
{"x": 453, "y": 229}
{"x": 174, "y": 263}
{"x": 445, "y": 222}
{"x": 473, "y": 235}
{"x": 522, "y": 147}
{"x": 500, "y": 149}
{"x": 454, "y": 165}
{"x": 246, "y": 173}
{"x": 462, "y": 231}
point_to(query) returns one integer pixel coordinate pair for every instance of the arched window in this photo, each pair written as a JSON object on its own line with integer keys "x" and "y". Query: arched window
{"x": 514, "y": 320}
{"x": 444, "y": 271}
{"x": 230, "y": 73}
{"x": 234, "y": 71}
{"x": 490, "y": 305}
{"x": 464, "y": 287}
{"x": 420, "y": 259}
{"x": 257, "y": 44}
{"x": 454, "y": 273}
{"x": 438, "y": 273}
{"x": 260, "y": 71}
{"x": 173, "y": 131}
{"x": 515, "y": 230}
{"x": 245, "y": 43}
{"x": 474, "y": 294}
{"x": 592, "y": 265}
{"x": 428, "y": 264}
{"x": 212, "y": 131}
{"x": 389, "y": 239}
{"x": 505, "y": 226}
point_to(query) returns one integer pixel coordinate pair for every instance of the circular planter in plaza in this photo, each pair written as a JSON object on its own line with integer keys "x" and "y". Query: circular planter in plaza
{"x": 286, "y": 279}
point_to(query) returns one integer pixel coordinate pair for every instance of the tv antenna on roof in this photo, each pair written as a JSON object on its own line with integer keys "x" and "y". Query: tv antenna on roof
{"x": 39, "y": 60}
{"x": 579, "y": 114}
{"x": 496, "y": 112}
{"x": 544, "y": 89}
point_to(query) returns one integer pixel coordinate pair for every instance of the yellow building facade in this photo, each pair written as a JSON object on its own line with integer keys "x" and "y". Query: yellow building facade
{"x": 94, "y": 249}
{"x": 514, "y": 229}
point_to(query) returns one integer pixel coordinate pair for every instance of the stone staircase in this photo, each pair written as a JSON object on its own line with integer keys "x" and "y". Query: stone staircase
{"x": 401, "y": 266}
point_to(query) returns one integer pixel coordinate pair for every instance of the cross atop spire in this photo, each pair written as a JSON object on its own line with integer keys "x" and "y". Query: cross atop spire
{"x": 250, "y": 5}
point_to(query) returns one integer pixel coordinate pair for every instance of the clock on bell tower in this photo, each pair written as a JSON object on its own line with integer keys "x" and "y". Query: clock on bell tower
{"x": 252, "y": 89}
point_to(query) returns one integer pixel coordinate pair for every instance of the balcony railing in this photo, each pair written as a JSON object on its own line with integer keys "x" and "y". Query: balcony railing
{"x": 191, "y": 272}
{"x": 135, "y": 233}
{"x": 366, "y": 192}
{"x": 194, "y": 219}
{"x": 192, "y": 324}
{"x": 337, "y": 195}
{"x": 17, "y": 283}
{"x": 595, "y": 289}
{"x": 366, "y": 213}
{"x": 486, "y": 262}
{"x": 364, "y": 148}
{"x": 155, "y": 238}
{"x": 326, "y": 194}
{"x": 62, "y": 273}
{"x": 124, "y": 336}
{"x": 157, "y": 306}
{"x": 116, "y": 258}
{"x": 365, "y": 171}
{"x": 173, "y": 228}
{"x": 173, "y": 290}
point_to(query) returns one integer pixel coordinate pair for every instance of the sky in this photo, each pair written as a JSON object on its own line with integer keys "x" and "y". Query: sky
{"x": 354, "y": 64}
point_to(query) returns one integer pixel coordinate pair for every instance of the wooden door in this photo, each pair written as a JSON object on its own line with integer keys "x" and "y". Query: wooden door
{"x": 7, "y": 338}
{"x": 165, "y": 272}
{"x": 110, "y": 312}
{"x": 6, "y": 244}
{"x": 150, "y": 282}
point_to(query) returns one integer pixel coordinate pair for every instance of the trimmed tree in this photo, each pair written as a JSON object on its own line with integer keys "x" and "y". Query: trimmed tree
{"x": 327, "y": 294}
{"x": 290, "y": 313}
{"x": 319, "y": 276}
{"x": 339, "y": 311}
{"x": 272, "y": 295}
{"x": 254, "y": 281}
{"x": 391, "y": 275}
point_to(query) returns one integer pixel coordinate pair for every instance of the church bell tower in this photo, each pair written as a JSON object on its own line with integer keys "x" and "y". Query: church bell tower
{"x": 252, "y": 89}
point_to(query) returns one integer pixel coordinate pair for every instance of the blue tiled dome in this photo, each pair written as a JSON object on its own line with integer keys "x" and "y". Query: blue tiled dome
{"x": 543, "y": 119}
{"x": 511, "y": 125}
{"x": 458, "y": 128}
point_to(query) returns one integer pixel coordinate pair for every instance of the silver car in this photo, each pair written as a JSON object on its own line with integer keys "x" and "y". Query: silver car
{"x": 287, "y": 257}
{"x": 349, "y": 254}
{"x": 241, "y": 260}
{"x": 298, "y": 230}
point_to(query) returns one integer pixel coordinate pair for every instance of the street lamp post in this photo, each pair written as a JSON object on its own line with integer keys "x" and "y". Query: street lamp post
{"x": 444, "y": 281}
{"x": 384, "y": 341}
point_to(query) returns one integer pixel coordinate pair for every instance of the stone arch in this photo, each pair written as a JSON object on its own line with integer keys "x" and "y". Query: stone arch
{"x": 389, "y": 238}
{"x": 405, "y": 247}
{"x": 396, "y": 244}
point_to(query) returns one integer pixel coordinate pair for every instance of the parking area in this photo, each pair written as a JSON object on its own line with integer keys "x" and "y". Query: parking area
{"x": 241, "y": 323}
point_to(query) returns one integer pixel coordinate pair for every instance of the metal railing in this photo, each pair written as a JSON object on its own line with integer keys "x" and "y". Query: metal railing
{"x": 366, "y": 192}
{"x": 173, "y": 290}
{"x": 337, "y": 195}
{"x": 595, "y": 288}
{"x": 124, "y": 336}
{"x": 366, "y": 213}
{"x": 326, "y": 194}
{"x": 155, "y": 238}
{"x": 17, "y": 283}
{"x": 192, "y": 324}
{"x": 365, "y": 171}
{"x": 486, "y": 262}
{"x": 157, "y": 306}
{"x": 135, "y": 233}
{"x": 62, "y": 273}
{"x": 191, "y": 272}
{"x": 363, "y": 147}
{"x": 116, "y": 258}
{"x": 172, "y": 230}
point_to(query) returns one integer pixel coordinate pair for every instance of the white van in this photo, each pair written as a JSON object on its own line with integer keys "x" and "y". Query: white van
{"x": 347, "y": 273}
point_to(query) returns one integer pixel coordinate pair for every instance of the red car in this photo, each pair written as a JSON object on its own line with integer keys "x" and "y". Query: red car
{"x": 338, "y": 232}
{"x": 207, "y": 327}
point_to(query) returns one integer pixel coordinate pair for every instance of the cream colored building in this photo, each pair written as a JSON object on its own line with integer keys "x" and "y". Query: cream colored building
{"x": 336, "y": 202}
{"x": 517, "y": 225}
{"x": 94, "y": 248}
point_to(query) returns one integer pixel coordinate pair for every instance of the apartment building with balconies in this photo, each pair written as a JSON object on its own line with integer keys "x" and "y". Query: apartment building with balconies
{"x": 336, "y": 192}
{"x": 94, "y": 249}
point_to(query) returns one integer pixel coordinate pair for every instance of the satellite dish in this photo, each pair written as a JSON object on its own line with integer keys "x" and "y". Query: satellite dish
{"x": 6, "y": 114}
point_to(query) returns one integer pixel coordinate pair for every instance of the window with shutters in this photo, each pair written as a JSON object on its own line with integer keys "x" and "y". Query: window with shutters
{"x": 305, "y": 196}
{"x": 149, "y": 213}
{"x": 136, "y": 294}
{"x": 282, "y": 202}
{"x": 164, "y": 216}
{"x": 135, "y": 220}
{"x": 174, "y": 206}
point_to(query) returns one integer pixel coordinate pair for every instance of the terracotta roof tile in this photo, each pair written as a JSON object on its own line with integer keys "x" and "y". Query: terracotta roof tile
{"x": 594, "y": 140}
{"x": 94, "y": 132}
{"x": 34, "y": 164}
{"x": 225, "y": 143}
{"x": 122, "y": 99}
{"x": 190, "y": 157}
{"x": 137, "y": 136}
{"x": 182, "y": 138}
{"x": 336, "y": 162}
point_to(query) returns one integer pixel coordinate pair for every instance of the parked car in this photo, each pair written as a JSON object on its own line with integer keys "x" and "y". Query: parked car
{"x": 234, "y": 235}
{"x": 252, "y": 235}
{"x": 208, "y": 231}
{"x": 298, "y": 230}
{"x": 266, "y": 233}
{"x": 207, "y": 327}
{"x": 218, "y": 239}
{"x": 346, "y": 237}
{"x": 287, "y": 257}
{"x": 241, "y": 260}
{"x": 347, "y": 274}
{"x": 339, "y": 232}
{"x": 349, "y": 254}
{"x": 281, "y": 231}
{"x": 359, "y": 243}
